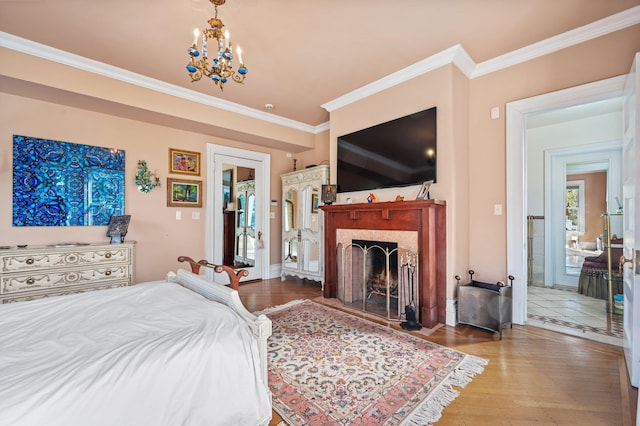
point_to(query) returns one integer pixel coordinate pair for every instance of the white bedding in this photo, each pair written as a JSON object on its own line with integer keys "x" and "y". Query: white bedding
{"x": 148, "y": 355}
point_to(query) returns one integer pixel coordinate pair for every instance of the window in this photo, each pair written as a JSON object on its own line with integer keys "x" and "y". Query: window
{"x": 574, "y": 204}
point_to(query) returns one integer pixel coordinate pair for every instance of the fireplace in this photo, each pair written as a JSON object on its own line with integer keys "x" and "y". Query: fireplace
{"x": 377, "y": 277}
{"x": 425, "y": 220}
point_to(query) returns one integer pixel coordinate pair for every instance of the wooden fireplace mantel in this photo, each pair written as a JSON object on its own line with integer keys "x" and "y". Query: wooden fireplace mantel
{"x": 427, "y": 217}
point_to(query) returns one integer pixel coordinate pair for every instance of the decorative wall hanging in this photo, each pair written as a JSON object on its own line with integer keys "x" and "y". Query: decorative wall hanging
{"x": 145, "y": 180}
{"x": 184, "y": 193}
{"x": 65, "y": 184}
{"x": 184, "y": 162}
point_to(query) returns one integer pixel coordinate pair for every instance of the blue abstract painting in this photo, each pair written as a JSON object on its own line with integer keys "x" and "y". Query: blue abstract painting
{"x": 65, "y": 184}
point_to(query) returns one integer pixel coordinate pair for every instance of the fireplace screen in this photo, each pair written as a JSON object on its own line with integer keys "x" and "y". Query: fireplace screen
{"x": 378, "y": 277}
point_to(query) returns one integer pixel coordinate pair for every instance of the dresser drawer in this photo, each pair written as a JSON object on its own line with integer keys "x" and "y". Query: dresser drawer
{"x": 43, "y": 259}
{"x": 31, "y": 281}
{"x": 63, "y": 291}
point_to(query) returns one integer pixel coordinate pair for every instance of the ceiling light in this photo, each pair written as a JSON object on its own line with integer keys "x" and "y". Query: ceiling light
{"x": 268, "y": 106}
{"x": 220, "y": 70}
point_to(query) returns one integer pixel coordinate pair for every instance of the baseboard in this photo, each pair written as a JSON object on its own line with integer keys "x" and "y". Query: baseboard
{"x": 275, "y": 270}
{"x": 452, "y": 312}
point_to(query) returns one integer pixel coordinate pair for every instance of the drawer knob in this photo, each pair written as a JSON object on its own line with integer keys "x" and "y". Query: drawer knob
{"x": 30, "y": 281}
{"x": 30, "y": 261}
{"x": 107, "y": 273}
{"x": 108, "y": 255}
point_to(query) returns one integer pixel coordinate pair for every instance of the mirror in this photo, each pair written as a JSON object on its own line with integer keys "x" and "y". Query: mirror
{"x": 245, "y": 227}
{"x": 291, "y": 252}
{"x": 291, "y": 200}
{"x": 309, "y": 213}
{"x": 65, "y": 184}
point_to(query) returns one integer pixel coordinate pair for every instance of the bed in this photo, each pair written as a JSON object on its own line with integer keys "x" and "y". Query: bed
{"x": 183, "y": 351}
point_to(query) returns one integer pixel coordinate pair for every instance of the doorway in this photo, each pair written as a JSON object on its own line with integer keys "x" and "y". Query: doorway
{"x": 520, "y": 114}
{"x": 581, "y": 182}
{"x": 251, "y": 233}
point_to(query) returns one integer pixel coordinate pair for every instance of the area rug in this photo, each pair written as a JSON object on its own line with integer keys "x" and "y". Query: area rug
{"x": 327, "y": 367}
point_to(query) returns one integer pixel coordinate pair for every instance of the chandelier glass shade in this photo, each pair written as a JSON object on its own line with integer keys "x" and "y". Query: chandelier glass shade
{"x": 219, "y": 66}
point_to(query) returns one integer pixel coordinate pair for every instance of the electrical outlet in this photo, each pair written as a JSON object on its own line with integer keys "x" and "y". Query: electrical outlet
{"x": 195, "y": 215}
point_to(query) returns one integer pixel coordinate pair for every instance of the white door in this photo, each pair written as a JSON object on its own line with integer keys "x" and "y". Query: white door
{"x": 631, "y": 233}
{"x": 217, "y": 157}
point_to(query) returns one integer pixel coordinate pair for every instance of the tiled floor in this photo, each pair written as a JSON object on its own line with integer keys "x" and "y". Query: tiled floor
{"x": 568, "y": 312}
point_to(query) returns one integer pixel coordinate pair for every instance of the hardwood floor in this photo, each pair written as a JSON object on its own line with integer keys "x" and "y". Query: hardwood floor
{"x": 534, "y": 376}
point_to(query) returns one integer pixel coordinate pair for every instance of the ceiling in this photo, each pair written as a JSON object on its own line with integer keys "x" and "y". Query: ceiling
{"x": 300, "y": 54}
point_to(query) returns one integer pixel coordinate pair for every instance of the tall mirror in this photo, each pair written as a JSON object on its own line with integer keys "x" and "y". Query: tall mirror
{"x": 310, "y": 225}
{"x": 245, "y": 226}
{"x": 290, "y": 223}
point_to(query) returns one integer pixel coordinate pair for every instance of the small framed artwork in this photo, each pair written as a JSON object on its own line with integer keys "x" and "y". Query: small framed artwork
{"x": 314, "y": 202}
{"x": 184, "y": 193}
{"x": 423, "y": 194}
{"x": 329, "y": 194}
{"x": 184, "y": 162}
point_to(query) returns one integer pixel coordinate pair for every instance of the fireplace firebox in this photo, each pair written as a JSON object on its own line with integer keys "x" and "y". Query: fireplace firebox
{"x": 377, "y": 277}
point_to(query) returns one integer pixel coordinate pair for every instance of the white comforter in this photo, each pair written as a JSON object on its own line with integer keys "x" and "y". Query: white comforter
{"x": 149, "y": 355}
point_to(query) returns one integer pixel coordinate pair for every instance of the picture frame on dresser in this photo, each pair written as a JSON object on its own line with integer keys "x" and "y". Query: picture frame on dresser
{"x": 118, "y": 227}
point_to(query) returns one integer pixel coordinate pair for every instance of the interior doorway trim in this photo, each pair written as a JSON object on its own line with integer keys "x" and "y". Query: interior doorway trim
{"x": 605, "y": 156}
{"x": 516, "y": 113}
{"x": 214, "y": 225}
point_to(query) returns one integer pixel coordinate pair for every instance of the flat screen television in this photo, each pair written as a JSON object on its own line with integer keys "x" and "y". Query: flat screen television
{"x": 400, "y": 152}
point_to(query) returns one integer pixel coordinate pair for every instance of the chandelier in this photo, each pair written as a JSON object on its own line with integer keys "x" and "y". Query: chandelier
{"x": 220, "y": 69}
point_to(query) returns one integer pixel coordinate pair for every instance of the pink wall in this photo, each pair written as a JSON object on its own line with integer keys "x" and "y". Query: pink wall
{"x": 160, "y": 237}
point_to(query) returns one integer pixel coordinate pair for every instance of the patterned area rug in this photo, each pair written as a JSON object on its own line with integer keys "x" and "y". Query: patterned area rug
{"x": 327, "y": 367}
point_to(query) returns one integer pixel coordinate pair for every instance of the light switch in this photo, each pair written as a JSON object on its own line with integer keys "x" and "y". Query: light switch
{"x": 178, "y": 215}
{"x": 195, "y": 215}
{"x": 497, "y": 209}
{"x": 272, "y": 215}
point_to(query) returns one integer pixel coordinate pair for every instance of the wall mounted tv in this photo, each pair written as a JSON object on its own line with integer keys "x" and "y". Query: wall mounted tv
{"x": 400, "y": 152}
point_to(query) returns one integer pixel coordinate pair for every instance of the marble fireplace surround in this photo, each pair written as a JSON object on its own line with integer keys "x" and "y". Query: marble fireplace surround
{"x": 427, "y": 220}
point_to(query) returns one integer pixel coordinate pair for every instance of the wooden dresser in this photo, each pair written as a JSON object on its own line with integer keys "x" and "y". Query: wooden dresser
{"x": 44, "y": 271}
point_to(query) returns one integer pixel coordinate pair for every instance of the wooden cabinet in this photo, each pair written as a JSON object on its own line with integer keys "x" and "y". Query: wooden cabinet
{"x": 229, "y": 236}
{"x": 44, "y": 271}
{"x": 302, "y": 228}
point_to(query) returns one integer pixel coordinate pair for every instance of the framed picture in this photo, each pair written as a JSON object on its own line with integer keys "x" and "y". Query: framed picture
{"x": 118, "y": 227}
{"x": 184, "y": 162}
{"x": 329, "y": 194}
{"x": 423, "y": 194}
{"x": 184, "y": 193}
{"x": 314, "y": 203}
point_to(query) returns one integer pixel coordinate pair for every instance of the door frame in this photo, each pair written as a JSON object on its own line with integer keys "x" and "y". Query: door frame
{"x": 214, "y": 220}
{"x": 516, "y": 201}
{"x": 601, "y": 156}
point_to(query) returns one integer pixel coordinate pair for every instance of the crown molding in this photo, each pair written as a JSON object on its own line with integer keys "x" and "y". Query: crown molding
{"x": 459, "y": 57}
{"x": 454, "y": 55}
{"x": 32, "y": 48}
{"x": 596, "y": 29}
